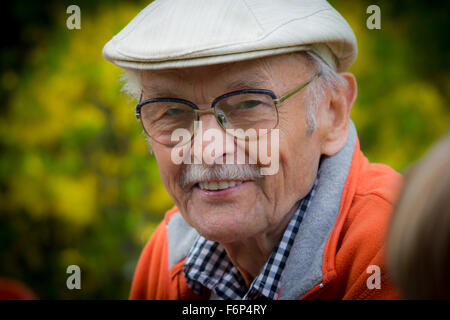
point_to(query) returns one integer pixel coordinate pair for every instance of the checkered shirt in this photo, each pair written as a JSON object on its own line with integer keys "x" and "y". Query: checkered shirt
{"x": 208, "y": 265}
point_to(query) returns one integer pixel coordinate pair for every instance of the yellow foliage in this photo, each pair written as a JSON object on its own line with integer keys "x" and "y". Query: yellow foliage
{"x": 144, "y": 233}
{"x": 158, "y": 199}
{"x": 74, "y": 199}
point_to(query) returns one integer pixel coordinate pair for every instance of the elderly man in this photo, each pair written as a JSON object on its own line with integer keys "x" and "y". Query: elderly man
{"x": 312, "y": 225}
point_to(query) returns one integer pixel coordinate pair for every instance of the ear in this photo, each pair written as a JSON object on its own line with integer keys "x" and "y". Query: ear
{"x": 336, "y": 115}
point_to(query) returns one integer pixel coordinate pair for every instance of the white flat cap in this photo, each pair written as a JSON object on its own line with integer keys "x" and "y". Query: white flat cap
{"x": 187, "y": 33}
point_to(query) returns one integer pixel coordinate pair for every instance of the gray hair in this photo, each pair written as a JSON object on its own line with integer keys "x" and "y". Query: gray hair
{"x": 131, "y": 83}
{"x": 317, "y": 90}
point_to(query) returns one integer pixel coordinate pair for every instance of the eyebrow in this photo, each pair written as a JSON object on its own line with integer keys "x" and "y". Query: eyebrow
{"x": 253, "y": 81}
{"x": 156, "y": 90}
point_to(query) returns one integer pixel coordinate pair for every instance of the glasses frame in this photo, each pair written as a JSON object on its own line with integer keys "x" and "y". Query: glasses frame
{"x": 277, "y": 103}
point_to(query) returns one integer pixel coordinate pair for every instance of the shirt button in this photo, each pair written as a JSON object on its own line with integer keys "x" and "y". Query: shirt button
{"x": 321, "y": 285}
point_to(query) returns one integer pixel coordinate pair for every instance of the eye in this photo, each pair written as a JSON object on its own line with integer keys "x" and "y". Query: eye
{"x": 248, "y": 104}
{"x": 174, "y": 112}
{"x": 222, "y": 118}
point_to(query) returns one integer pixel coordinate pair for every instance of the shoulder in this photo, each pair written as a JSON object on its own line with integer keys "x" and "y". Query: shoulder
{"x": 376, "y": 189}
{"x": 174, "y": 236}
{"x": 362, "y": 239}
{"x": 158, "y": 265}
{"x": 378, "y": 180}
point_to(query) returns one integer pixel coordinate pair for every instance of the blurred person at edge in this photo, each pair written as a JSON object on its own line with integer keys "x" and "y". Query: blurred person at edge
{"x": 309, "y": 231}
{"x": 418, "y": 247}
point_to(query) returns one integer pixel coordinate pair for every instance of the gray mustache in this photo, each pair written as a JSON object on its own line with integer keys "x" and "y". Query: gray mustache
{"x": 192, "y": 173}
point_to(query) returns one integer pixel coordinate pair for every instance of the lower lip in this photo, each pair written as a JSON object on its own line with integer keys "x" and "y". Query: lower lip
{"x": 215, "y": 194}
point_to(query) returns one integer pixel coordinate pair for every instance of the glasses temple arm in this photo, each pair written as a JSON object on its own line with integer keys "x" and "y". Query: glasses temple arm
{"x": 137, "y": 114}
{"x": 297, "y": 89}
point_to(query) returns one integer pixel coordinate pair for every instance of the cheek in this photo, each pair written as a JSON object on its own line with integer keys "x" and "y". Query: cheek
{"x": 295, "y": 141}
{"x": 169, "y": 172}
{"x": 299, "y": 158}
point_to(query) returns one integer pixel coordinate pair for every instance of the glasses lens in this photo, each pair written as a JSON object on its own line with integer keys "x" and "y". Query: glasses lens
{"x": 248, "y": 111}
{"x": 161, "y": 120}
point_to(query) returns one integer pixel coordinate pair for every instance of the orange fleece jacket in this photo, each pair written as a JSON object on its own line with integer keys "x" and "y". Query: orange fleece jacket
{"x": 355, "y": 242}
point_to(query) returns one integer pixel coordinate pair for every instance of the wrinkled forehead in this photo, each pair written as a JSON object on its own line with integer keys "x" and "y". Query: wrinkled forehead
{"x": 265, "y": 73}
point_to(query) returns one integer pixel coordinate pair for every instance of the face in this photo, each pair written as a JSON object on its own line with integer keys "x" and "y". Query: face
{"x": 258, "y": 205}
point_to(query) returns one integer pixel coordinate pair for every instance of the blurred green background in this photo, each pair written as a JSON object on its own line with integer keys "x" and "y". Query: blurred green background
{"x": 77, "y": 182}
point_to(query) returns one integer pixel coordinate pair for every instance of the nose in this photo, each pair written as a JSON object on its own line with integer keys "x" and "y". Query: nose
{"x": 211, "y": 143}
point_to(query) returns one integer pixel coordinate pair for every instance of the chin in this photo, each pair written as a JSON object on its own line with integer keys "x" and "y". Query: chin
{"x": 223, "y": 235}
{"x": 224, "y": 226}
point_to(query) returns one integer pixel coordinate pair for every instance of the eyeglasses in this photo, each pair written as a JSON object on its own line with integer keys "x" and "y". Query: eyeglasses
{"x": 242, "y": 109}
